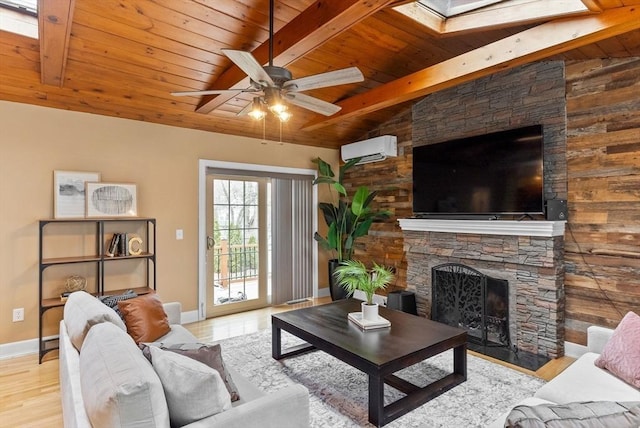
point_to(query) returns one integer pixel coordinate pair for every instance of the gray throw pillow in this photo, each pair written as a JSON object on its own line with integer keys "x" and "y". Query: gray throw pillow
{"x": 590, "y": 414}
{"x": 193, "y": 390}
{"x": 211, "y": 355}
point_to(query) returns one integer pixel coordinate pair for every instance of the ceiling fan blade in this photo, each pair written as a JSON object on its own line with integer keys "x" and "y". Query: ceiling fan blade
{"x": 245, "y": 110}
{"x": 312, "y": 103}
{"x": 322, "y": 80}
{"x": 247, "y": 63}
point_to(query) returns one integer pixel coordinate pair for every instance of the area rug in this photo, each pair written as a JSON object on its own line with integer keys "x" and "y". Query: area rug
{"x": 339, "y": 392}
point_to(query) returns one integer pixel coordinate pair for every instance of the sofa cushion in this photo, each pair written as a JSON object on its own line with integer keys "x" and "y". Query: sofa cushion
{"x": 583, "y": 381}
{"x": 145, "y": 318}
{"x": 119, "y": 386}
{"x": 194, "y": 390}
{"x": 621, "y": 354}
{"x": 82, "y": 311}
{"x": 211, "y": 355}
{"x": 593, "y": 414}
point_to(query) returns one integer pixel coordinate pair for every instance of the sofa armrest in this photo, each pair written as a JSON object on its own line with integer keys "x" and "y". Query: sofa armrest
{"x": 597, "y": 337}
{"x": 174, "y": 312}
{"x": 285, "y": 408}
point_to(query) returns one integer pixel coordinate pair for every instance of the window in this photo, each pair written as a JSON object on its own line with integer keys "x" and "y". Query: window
{"x": 19, "y": 17}
{"x": 449, "y": 8}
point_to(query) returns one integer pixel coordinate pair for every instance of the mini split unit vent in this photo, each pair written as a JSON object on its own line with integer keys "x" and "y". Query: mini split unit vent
{"x": 371, "y": 150}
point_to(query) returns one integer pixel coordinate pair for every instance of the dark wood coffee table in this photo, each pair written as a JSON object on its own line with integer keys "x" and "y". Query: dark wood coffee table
{"x": 378, "y": 353}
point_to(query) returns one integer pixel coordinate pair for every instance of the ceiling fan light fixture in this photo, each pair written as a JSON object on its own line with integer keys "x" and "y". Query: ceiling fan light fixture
{"x": 257, "y": 111}
{"x": 284, "y": 116}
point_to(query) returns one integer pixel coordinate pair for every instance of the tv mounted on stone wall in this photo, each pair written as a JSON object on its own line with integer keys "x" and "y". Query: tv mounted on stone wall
{"x": 492, "y": 175}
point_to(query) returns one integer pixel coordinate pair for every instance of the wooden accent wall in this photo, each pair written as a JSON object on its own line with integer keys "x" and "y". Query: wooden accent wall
{"x": 602, "y": 242}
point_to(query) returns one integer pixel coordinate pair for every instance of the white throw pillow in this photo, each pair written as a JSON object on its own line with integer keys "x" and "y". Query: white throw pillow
{"x": 193, "y": 390}
{"x": 119, "y": 387}
{"x": 82, "y": 311}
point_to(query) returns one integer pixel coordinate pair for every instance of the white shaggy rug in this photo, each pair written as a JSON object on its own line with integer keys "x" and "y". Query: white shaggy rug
{"x": 339, "y": 392}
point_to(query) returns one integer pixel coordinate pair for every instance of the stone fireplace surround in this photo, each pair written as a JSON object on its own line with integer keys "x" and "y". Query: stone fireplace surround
{"x": 528, "y": 254}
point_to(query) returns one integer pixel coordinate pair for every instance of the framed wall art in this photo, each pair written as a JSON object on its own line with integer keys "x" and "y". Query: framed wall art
{"x": 111, "y": 200}
{"x": 69, "y": 192}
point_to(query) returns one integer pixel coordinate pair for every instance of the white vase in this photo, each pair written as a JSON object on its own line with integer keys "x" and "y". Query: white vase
{"x": 369, "y": 312}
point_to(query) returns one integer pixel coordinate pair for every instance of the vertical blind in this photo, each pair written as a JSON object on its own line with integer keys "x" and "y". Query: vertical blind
{"x": 292, "y": 239}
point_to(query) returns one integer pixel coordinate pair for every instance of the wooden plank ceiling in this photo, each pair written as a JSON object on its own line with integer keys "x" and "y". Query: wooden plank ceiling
{"x": 122, "y": 58}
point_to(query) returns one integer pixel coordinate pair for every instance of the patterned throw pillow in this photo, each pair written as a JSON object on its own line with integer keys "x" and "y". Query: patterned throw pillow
{"x": 112, "y": 300}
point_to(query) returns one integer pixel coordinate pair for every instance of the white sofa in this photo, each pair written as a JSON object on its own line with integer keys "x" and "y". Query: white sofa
{"x": 581, "y": 381}
{"x": 113, "y": 351}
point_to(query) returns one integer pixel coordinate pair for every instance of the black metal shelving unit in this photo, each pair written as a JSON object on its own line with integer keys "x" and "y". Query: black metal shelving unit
{"x": 99, "y": 258}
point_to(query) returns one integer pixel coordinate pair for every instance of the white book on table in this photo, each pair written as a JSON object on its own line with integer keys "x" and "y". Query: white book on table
{"x": 356, "y": 318}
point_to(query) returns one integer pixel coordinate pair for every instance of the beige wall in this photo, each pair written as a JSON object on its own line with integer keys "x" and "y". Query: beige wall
{"x": 161, "y": 160}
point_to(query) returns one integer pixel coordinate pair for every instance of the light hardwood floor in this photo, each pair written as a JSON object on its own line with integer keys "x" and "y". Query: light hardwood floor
{"x": 30, "y": 392}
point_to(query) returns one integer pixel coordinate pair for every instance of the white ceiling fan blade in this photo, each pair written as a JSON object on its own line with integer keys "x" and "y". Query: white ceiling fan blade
{"x": 312, "y": 103}
{"x": 247, "y": 63}
{"x": 245, "y": 110}
{"x": 322, "y": 80}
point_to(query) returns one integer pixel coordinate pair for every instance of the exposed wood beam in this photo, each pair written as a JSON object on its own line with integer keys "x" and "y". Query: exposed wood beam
{"x": 593, "y": 5}
{"x": 317, "y": 24}
{"x": 54, "y": 28}
{"x": 429, "y": 19}
{"x": 530, "y": 45}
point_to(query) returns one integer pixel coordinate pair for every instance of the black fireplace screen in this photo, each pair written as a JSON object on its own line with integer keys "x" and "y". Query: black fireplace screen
{"x": 465, "y": 298}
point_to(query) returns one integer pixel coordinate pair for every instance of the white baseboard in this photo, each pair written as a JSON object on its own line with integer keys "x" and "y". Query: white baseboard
{"x": 323, "y": 292}
{"x": 188, "y": 317}
{"x": 21, "y": 348}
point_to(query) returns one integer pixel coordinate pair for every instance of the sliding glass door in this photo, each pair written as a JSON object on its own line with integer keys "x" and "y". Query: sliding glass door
{"x": 237, "y": 244}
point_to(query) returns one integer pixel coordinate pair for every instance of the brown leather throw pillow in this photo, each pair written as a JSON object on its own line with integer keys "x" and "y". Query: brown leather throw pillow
{"x": 145, "y": 318}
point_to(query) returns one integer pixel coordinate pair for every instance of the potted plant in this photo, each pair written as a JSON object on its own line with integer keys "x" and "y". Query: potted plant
{"x": 348, "y": 217}
{"x": 354, "y": 275}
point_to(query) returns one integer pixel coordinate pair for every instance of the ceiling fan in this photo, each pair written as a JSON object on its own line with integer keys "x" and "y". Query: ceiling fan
{"x": 278, "y": 86}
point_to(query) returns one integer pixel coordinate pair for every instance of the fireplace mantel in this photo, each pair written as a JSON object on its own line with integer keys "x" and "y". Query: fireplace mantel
{"x": 485, "y": 227}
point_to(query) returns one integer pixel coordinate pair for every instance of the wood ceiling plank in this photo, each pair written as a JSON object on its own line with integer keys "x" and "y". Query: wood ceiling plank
{"x": 54, "y": 28}
{"x": 530, "y": 45}
{"x": 130, "y": 34}
{"x": 108, "y": 45}
{"x": 313, "y": 27}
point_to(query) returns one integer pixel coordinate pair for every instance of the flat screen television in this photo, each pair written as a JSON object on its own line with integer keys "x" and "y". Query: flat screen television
{"x": 492, "y": 174}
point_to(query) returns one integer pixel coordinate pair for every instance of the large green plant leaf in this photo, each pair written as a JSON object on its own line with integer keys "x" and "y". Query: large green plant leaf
{"x": 323, "y": 167}
{"x": 359, "y": 202}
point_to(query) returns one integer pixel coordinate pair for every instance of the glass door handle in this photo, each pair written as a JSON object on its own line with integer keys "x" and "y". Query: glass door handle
{"x": 210, "y": 242}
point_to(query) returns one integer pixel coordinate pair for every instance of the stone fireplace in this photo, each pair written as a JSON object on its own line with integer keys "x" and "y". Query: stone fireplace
{"x": 526, "y": 254}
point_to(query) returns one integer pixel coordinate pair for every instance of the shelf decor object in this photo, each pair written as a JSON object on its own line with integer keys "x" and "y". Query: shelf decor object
{"x": 69, "y": 192}
{"x": 111, "y": 200}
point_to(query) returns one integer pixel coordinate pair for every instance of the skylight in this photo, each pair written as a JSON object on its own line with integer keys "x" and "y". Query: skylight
{"x": 449, "y": 8}
{"x": 19, "y": 17}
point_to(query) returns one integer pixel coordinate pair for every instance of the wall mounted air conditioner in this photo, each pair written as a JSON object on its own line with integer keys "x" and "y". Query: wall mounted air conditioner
{"x": 371, "y": 150}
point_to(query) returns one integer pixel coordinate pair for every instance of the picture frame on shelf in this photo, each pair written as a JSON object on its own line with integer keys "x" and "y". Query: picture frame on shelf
{"x": 69, "y": 193}
{"x": 111, "y": 200}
